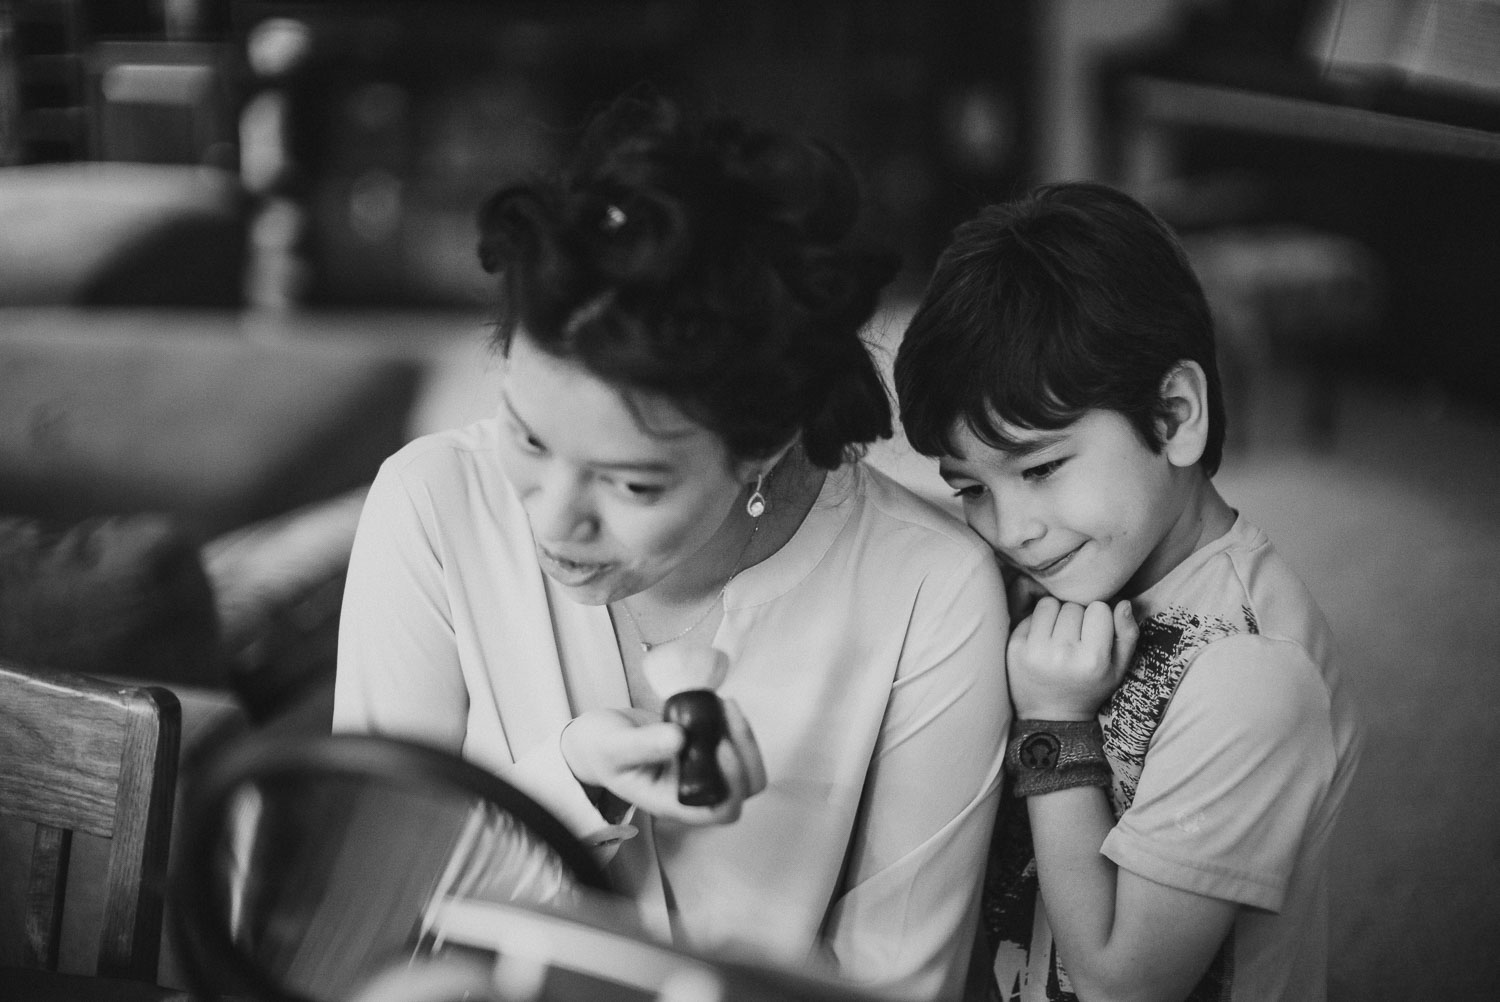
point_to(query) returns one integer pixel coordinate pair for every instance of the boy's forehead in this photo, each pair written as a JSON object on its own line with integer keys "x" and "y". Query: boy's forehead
{"x": 1018, "y": 442}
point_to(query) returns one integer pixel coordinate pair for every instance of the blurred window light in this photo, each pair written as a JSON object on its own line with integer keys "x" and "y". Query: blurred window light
{"x": 1451, "y": 44}
{"x": 1457, "y": 43}
{"x": 278, "y": 45}
{"x": 157, "y": 84}
{"x": 263, "y": 156}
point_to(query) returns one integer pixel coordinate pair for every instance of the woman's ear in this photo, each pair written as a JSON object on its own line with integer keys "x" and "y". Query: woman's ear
{"x": 1184, "y": 424}
{"x": 747, "y": 471}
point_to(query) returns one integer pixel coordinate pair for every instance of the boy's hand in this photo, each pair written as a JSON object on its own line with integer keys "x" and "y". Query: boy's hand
{"x": 1021, "y": 592}
{"x": 1064, "y": 660}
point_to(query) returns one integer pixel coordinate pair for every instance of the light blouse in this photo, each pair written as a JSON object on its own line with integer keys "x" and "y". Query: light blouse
{"x": 867, "y": 655}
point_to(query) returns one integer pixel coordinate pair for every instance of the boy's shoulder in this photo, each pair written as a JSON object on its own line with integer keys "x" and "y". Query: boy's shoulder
{"x": 1238, "y": 584}
{"x": 1235, "y": 625}
{"x": 1235, "y": 603}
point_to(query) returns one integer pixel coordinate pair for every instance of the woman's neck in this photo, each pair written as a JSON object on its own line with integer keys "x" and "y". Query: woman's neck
{"x": 742, "y": 542}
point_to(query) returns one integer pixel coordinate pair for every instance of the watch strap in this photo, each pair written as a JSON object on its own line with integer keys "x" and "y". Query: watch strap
{"x": 1048, "y": 755}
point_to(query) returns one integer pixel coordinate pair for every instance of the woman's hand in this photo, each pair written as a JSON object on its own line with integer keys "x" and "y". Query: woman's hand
{"x": 1065, "y": 660}
{"x": 633, "y": 755}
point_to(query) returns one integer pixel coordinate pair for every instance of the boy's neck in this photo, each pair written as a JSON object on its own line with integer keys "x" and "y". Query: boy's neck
{"x": 1204, "y": 517}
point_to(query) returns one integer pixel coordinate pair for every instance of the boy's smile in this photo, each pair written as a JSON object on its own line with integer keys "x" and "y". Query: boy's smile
{"x": 1087, "y": 511}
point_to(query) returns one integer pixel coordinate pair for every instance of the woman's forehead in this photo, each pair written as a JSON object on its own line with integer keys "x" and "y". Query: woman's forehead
{"x": 559, "y": 397}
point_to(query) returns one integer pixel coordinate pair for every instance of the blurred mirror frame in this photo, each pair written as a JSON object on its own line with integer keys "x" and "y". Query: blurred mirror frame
{"x": 214, "y": 789}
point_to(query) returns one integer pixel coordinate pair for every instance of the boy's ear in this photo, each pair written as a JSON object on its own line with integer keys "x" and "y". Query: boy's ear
{"x": 1184, "y": 426}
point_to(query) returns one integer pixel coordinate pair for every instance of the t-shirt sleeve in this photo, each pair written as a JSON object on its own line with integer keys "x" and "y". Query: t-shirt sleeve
{"x": 1233, "y": 775}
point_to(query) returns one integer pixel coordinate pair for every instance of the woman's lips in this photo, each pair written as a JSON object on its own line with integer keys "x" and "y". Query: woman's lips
{"x": 573, "y": 573}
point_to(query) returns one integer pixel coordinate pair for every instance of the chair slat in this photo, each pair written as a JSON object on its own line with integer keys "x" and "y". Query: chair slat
{"x": 130, "y": 938}
{"x": 44, "y": 896}
{"x": 81, "y": 755}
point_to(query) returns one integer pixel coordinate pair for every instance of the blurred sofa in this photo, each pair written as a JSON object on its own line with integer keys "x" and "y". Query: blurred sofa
{"x": 181, "y": 494}
{"x": 178, "y": 495}
{"x": 95, "y": 233}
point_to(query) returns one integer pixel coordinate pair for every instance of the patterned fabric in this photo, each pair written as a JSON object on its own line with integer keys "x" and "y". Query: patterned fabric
{"x": 1014, "y": 931}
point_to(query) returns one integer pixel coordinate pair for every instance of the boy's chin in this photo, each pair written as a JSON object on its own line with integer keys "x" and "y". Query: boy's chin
{"x": 1081, "y": 593}
{"x": 1024, "y": 591}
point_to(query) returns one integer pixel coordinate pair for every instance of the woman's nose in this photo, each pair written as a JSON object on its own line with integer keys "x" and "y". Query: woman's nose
{"x": 561, "y": 510}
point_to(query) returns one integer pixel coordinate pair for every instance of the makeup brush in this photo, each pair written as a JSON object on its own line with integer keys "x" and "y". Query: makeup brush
{"x": 685, "y": 677}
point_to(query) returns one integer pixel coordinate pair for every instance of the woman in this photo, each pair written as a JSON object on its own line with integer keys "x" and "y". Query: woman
{"x": 672, "y": 465}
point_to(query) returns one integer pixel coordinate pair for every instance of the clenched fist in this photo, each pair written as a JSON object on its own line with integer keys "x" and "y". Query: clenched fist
{"x": 1065, "y": 659}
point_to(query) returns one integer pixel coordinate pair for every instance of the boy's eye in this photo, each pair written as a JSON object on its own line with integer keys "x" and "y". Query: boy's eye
{"x": 1042, "y": 470}
{"x": 969, "y": 491}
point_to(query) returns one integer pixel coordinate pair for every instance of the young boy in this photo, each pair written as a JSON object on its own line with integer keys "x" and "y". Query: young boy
{"x": 1180, "y": 778}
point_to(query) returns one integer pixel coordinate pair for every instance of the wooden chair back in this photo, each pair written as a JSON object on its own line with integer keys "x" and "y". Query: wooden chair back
{"x": 81, "y": 755}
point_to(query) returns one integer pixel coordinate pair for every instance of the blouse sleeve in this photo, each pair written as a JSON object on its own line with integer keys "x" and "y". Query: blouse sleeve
{"x": 399, "y": 669}
{"x": 905, "y": 919}
{"x": 398, "y": 664}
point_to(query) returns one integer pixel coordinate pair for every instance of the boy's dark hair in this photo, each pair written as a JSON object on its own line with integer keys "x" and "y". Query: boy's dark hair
{"x": 708, "y": 261}
{"x": 1073, "y": 298}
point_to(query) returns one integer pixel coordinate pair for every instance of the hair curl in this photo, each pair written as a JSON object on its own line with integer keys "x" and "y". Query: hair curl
{"x": 708, "y": 262}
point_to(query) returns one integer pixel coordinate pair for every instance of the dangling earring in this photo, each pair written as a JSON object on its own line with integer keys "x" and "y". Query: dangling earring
{"x": 756, "y": 506}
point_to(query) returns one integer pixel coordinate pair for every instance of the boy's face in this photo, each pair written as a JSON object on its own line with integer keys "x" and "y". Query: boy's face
{"x": 1088, "y": 512}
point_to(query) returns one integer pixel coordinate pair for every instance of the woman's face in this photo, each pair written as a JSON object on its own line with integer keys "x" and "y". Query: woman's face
{"x": 619, "y": 496}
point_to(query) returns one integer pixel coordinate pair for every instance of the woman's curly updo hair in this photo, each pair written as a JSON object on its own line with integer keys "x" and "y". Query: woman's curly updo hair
{"x": 706, "y": 262}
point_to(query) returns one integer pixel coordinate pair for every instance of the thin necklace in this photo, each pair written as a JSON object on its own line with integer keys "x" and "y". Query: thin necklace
{"x": 739, "y": 563}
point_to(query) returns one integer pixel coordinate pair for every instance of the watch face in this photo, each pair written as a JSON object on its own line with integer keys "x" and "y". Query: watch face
{"x": 1039, "y": 751}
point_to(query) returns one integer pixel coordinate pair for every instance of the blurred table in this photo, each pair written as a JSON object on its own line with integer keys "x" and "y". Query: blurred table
{"x": 18, "y": 984}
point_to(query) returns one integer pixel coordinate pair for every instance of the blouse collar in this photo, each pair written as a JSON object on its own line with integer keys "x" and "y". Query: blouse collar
{"x": 794, "y": 561}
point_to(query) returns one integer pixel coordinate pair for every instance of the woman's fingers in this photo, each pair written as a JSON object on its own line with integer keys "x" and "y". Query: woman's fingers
{"x": 743, "y": 740}
{"x": 647, "y": 744}
{"x": 638, "y": 755}
{"x": 739, "y": 759}
{"x": 603, "y": 746}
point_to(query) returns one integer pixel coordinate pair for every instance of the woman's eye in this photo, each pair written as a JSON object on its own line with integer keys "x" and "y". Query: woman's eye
{"x": 969, "y": 492}
{"x": 529, "y": 443}
{"x": 639, "y": 491}
{"x": 1043, "y": 470}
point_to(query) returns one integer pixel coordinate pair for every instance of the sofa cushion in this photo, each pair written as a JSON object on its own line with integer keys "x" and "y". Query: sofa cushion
{"x": 279, "y": 585}
{"x": 120, "y": 596}
{"x": 92, "y": 234}
{"x": 106, "y": 414}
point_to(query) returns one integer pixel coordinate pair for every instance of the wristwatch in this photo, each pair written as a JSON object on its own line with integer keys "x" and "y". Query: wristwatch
{"x": 1048, "y": 755}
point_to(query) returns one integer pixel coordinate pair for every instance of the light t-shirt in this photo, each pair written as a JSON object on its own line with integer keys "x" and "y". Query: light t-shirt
{"x": 1232, "y": 744}
{"x": 866, "y": 655}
